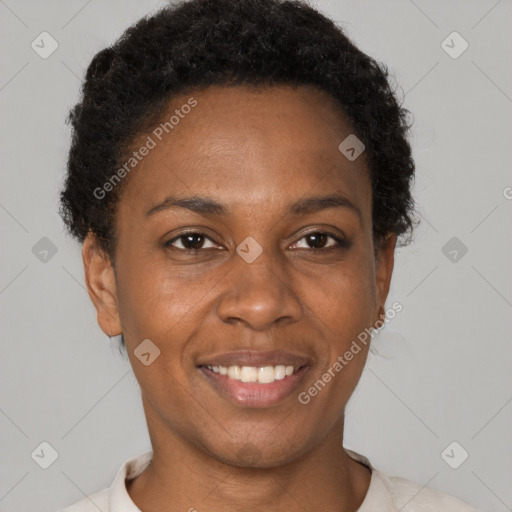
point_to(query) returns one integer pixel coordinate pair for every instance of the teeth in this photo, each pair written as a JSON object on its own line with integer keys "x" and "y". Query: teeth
{"x": 249, "y": 374}
{"x": 262, "y": 374}
{"x": 280, "y": 372}
{"x": 234, "y": 372}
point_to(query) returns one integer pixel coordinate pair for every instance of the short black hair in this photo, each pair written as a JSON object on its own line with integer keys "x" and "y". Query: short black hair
{"x": 194, "y": 44}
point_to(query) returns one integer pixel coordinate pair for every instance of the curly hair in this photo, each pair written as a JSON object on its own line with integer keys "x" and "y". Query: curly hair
{"x": 194, "y": 44}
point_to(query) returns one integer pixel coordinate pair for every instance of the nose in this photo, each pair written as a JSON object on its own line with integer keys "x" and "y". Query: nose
{"x": 259, "y": 294}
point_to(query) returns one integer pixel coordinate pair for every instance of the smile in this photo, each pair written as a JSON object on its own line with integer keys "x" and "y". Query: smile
{"x": 251, "y": 386}
{"x": 262, "y": 374}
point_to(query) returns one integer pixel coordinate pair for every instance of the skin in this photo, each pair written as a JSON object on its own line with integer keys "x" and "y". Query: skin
{"x": 256, "y": 152}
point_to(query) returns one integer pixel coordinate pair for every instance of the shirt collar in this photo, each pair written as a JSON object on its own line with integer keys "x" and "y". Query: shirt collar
{"x": 379, "y": 495}
{"x": 120, "y": 500}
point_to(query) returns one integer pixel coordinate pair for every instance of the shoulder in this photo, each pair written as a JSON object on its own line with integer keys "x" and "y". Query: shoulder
{"x": 114, "y": 498}
{"x": 393, "y": 494}
{"x": 97, "y": 501}
{"x": 410, "y": 496}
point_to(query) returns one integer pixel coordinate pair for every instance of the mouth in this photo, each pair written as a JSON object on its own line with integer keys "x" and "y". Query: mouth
{"x": 255, "y": 379}
{"x": 261, "y": 374}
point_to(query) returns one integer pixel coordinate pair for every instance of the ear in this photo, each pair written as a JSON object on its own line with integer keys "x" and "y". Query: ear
{"x": 101, "y": 285}
{"x": 384, "y": 262}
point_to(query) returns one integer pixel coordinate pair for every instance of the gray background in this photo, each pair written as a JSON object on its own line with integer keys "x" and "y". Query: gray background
{"x": 444, "y": 369}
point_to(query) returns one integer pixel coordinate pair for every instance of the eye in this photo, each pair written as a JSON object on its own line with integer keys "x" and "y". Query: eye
{"x": 316, "y": 240}
{"x": 319, "y": 239}
{"x": 190, "y": 241}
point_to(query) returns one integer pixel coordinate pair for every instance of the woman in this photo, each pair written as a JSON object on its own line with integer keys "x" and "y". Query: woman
{"x": 239, "y": 177}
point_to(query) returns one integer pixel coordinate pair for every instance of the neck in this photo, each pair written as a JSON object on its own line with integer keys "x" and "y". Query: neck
{"x": 184, "y": 477}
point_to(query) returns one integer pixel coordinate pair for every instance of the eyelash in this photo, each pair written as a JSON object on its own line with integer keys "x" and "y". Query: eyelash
{"x": 342, "y": 244}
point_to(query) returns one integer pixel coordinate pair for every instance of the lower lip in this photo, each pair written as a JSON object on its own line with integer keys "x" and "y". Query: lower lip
{"x": 255, "y": 394}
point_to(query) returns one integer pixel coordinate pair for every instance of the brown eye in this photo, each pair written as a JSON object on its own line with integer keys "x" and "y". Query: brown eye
{"x": 190, "y": 241}
{"x": 318, "y": 240}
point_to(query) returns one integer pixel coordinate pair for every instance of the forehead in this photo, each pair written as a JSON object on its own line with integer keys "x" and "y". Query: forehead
{"x": 247, "y": 145}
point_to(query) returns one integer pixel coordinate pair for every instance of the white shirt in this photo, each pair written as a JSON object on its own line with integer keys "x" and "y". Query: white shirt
{"x": 385, "y": 493}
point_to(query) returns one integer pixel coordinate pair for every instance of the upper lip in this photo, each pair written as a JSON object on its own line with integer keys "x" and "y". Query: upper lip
{"x": 255, "y": 358}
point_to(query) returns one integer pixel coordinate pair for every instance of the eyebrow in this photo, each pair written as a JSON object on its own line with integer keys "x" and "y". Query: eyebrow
{"x": 208, "y": 206}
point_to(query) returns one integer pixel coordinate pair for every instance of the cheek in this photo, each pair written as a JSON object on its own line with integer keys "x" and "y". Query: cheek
{"x": 344, "y": 308}
{"x": 347, "y": 298}
{"x": 155, "y": 302}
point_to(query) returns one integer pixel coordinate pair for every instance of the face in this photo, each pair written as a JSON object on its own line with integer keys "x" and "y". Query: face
{"x": 257, "y": 270}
